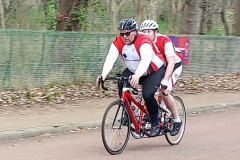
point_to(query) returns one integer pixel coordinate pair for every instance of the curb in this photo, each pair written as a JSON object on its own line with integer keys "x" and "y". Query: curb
{"x": 37, "y": 131}
{"x": 214, "y": 107}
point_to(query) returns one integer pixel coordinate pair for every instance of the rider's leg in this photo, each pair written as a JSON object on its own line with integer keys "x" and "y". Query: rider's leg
{"x": 125, "y": 73}
{"x": 171, "y": 105}
{"x": 170, "y": 102}
{"x": 150, "y": 82}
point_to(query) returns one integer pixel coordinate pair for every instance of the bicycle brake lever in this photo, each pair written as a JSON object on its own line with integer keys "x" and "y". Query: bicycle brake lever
{"x": 99, "y": 81}
{"x": 164, "y": 93}
{"x": 135, "y": 91}
{"x": 103, "y": 87}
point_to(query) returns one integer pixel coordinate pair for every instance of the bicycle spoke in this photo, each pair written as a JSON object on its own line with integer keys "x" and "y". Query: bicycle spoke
{"x": 115, "y": 130}
{"x": 174, "y": 140}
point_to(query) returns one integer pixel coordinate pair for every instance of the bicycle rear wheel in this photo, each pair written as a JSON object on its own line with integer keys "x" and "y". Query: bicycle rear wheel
{"x": 115, "y": 127}
{"x": 174, "y": 140}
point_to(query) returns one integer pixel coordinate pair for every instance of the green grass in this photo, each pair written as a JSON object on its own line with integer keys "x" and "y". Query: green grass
{"x": 163, "y": 27}
{"x": 30, "y": 94}
{"x": 216, "y": 30}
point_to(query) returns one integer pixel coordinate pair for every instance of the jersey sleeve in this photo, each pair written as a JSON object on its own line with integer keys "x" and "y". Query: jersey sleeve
{"x": 110, "y": 59}
{"x": 167, "y": 46}
{"x": 142, "y": 41}
{"x": 146, "y": 58}
{"x": 169, "y": 49}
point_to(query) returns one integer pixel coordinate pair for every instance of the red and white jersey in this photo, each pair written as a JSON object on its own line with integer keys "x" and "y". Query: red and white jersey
{"x": 139, "y": 57}
{"x": 164, "y": 46}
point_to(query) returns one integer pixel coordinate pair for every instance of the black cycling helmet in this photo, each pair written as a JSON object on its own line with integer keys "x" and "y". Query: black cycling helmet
{"x": 127, "y": 24}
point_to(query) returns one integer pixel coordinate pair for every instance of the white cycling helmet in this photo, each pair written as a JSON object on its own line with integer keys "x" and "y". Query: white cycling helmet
{"x": 148, "y": 24}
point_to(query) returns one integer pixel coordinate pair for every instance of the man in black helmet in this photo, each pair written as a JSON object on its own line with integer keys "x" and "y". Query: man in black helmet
{"x": 142, "y": 64}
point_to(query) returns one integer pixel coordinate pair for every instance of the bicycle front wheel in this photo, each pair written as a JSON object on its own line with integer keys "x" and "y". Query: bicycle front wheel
{"x": 174, "y": 140}
{"x": 115, "y": 127}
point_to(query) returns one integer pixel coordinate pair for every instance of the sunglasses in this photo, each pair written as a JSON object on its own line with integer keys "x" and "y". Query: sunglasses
{"x": 126, "y": 33}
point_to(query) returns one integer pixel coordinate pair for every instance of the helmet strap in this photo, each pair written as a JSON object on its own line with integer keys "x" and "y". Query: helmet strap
{"x": 155, "y": 36}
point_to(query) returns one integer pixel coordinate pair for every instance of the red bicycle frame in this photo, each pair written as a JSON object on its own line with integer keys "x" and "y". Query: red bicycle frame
{"x": 127, "y": 98}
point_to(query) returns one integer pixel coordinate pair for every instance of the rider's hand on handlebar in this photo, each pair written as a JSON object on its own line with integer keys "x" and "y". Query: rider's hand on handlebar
{"x": 100, "y": 78}
{"x": 164, "y": 86}
{"x": 134, "y": 80}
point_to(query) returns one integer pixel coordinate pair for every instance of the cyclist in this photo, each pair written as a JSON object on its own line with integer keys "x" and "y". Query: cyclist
{"x": 164, "y": 47}
{"x": 143, "y": 65}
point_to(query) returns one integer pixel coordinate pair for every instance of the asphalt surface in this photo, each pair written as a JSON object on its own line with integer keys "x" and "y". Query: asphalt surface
{"x": 211, "y": 135}
{"x": 88, "y": 114}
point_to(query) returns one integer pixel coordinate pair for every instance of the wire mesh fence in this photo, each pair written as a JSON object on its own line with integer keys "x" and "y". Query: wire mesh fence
{"x": 213, "y": 54}
{"x": 33, "y": 59}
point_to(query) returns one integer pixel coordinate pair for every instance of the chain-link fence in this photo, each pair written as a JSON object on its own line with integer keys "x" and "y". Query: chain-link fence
{"x": 213, "y": 54}
{"x": 33, "y": 59}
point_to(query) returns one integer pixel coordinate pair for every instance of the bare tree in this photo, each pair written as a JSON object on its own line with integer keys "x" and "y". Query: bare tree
{"x": 110, "y": 14}
{"x": 191, "y": 17}
{"x": 116, "y": 5}
{"x": 208, "y": 16}
{"x": 154, "y": 8}
{"x": 2, "y": 14}
{"x": 20, "y": 14}
{"x": 137, "y": 6}
{"x": 237, "y": 19}
{"x": 172, "y": 15}
{"x": 203, "y": 17}
{"x": 223, "y": 18}
{"x": 63, "y": 15}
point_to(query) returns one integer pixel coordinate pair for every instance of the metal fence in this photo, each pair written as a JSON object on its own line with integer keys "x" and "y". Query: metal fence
{"x": 33, "y": 59}
{"x": 213, "y": 54}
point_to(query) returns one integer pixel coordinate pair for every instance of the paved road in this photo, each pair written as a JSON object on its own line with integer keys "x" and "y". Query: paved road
{"x": 213, "y": 136}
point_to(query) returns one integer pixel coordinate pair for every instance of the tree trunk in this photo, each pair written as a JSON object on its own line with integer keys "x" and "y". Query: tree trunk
{"x": 115, "y": 14}
{"x": 153, "y": 9}
{"x": 177, "y": 15}
{"x": 63, "y": 15}
{"x": 19, "y": 14}
{"x": 138, "y": 10}
{"x": 223, "y": 18}
{"x": 209, "y": 22}
{"x": 110, "y": 15}
{"x": 237, "y": 18}
{"x": 203, "y": 17}
{"x": 116, "y": 5}
{"x": 2, "y": 15}
{"x": 191, "y": 17}
{"x": 172, "y": 16}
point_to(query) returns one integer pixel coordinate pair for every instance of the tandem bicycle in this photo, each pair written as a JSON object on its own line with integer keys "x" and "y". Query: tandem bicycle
{"x": 128, "y": 116}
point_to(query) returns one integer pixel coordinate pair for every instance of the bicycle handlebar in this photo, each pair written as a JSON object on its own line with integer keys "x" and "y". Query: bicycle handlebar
{"x": 102, "y": 85}
{"x": 118, "y": 78}
{"x": 121, "y": 78}
{"x": 107, "y": 79}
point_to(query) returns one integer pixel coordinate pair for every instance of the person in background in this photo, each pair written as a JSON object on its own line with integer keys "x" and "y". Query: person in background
{"x": 173, "y": 63}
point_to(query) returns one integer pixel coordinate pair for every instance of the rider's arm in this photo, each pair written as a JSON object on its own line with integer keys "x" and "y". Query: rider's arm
{"x": 169, "y": 51}
{"x": 146, "y": 57}
{"x": 110, "y": 60}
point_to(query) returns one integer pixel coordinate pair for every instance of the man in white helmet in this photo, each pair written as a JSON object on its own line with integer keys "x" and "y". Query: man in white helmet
{"x": 164, "y": 47}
